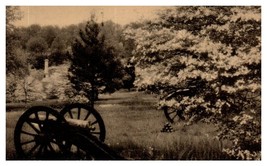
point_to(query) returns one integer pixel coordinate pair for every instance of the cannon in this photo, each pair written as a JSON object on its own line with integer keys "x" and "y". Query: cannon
{"x": 76, "y": 132}
{"x": 191, "y": 88}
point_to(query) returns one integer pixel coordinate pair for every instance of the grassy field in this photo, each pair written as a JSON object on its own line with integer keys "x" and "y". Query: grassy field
{"x": 133, "y": 129}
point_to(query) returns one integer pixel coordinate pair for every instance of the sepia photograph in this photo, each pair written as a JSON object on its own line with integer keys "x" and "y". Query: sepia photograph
{"x": 133, "y": 82}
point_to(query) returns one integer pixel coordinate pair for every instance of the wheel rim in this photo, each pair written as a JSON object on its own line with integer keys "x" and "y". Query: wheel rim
{"x": 173, "y": 115}
{"x": 32, "y": 141}
{"x": 86, "y": 115}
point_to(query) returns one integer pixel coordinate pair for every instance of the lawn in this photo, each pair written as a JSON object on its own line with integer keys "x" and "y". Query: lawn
{"x": 133, "y": 129}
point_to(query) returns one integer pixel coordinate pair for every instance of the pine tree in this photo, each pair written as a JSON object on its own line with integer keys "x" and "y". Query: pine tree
{"x": 93, "y": 64}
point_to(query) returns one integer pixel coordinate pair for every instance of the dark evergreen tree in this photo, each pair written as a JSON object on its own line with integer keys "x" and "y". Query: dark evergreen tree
{"x": 93, "y": 64}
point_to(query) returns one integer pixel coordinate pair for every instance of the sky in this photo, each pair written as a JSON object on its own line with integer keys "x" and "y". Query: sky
{"x": 67, "y": 15}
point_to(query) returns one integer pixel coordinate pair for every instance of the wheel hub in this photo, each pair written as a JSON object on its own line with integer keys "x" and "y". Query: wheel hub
{"x": 42, "y": 138}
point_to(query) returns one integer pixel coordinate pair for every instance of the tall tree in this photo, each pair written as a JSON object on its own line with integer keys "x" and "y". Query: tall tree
{"x": 93, "y": 64}
{"x": 15, "y": 57}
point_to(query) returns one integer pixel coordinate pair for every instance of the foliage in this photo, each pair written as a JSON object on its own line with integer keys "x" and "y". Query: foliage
{"x": 215, "y": 53}
{"x": 55, "y": 43}
{"x": 58, "y": 58}
{"x": 28, "y": 88}
{"x": 41, "y": 42}
{"x": 37, "y": 47}
{"x": 49, "y": 33}
{"x": 15, "y": 55}
{"x": 113, "y": 37}
{"x": 93, "y": 64}
{"x": 11, "y": 84}
{"x": 16, "y": 68}
{"x": 27, "y": 47}
{"x": 56, "y": 85}
{"x": 35, "y": 87}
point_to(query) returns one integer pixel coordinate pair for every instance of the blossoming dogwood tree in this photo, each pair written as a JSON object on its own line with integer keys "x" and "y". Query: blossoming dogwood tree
{"x": 217, "y": 50}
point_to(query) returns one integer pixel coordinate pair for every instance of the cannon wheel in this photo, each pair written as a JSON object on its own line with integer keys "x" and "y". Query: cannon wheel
{"x": 85, "y": 113}
{"x": 31, "y": 139}
{"x": 173, "y": 115}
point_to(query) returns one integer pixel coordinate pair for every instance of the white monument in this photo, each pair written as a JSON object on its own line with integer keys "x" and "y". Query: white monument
{"x": 46, "y": 73}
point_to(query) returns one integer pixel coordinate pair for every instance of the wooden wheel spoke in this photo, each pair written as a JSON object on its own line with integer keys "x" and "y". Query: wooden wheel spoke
{"x": 28, "y": 133}
{"x": 53, "y": 141}
{"x": 78, "y": 150}
{"x": 174, "y": 117}
{"x": 95, "y": 122}
{"x": 38, "y": 119}
{"x": 33, "y": 127}
{"x": 39, "y": 153}
{"x": 27, "y": 142}
{"x": 33, "y": 149}
{"x": 46, "y": 116}
{"x": 79, "y": 112}
{"x": 46, "y": 151}
{"x": 96, "y": 132}
{"x": 171, "y": 112}
{"x": 87, "y": 115}
{"x": 51, "y": 148}
{"x": 70, "y": 113}
{"x": 58, "y": 143}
